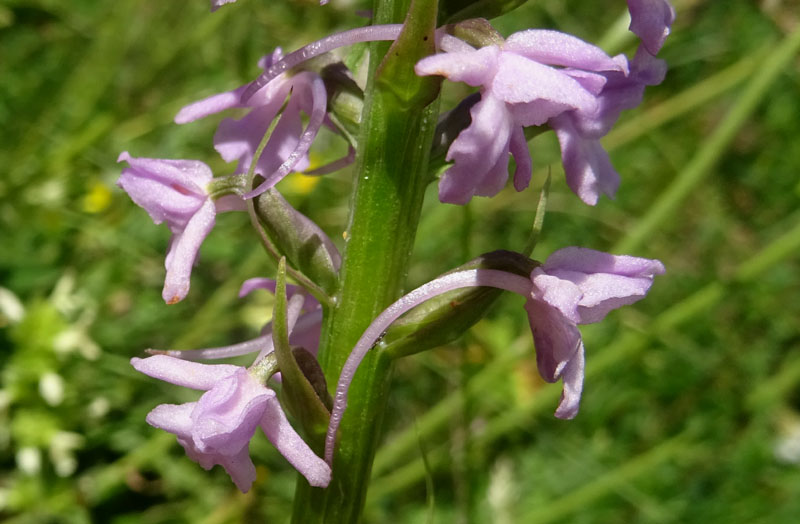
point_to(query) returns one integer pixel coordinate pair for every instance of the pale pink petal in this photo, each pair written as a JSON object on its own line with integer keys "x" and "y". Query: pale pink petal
{"x": 586, "y": 164}
{"x": 572, "y": 381}
{"x": 651, "y": 21}
{"x": 563, "y": 295}
{"x": 286, "y": 440}
{"x": 226, "y": 416}
{"x": 591, "y": 261}
{"x": 471, "y": 67}
{"x": 209, "y": 106}
{"x": 183, "y": 372}
{"x": 556, "y": 338}
{"x": 183, "y": 252}
{"x": 519, "y": 80}
{"x": 518, "y": 146}
{"x": 175, "y": 418}
{"x": 556, "y": 48}
{"x": 476, "y": 150}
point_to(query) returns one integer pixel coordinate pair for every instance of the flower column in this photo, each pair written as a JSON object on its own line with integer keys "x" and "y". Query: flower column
{"x": 399, "y": 118}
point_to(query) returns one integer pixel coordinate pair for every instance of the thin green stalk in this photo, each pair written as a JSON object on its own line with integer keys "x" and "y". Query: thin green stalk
{"x": 391, "y": 176}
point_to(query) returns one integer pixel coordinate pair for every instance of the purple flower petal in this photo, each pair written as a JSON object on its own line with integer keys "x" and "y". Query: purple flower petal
{"x": 175, "y": 418}
{"x": 286, "y": 440}
{"x": 586, "y": 164}
{"x": 556, "y": 338}
{"x": 183, "y": 372}
{"x": 226, "y": 416}
{"x": 474, "y": 68}
{"x": 556, "y": 48}
{"x": 563, "y": 295}
{"x": 183, "y": 252}
{"x": 651, "y": 21}
{"x": 590, "y": 261}
{"x": 518, "y": 146}
{"x": 572, "y": 380}
{"x": 209, "y": 106}
{"x": 476, "y": 150}
{"x": 605, "y": 281}
{"x": 520, "y": 80}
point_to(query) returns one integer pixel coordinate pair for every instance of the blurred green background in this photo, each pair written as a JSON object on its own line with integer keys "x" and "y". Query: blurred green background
{"x": 691, "y": 408}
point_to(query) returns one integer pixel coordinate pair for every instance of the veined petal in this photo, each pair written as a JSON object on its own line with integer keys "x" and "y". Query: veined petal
{"x": 590, "y": 261}
{"x": 475, "y": 68}
{"x": 210, "y": 106}
{"x": 476, "y": 150}
{"x": 286, "y": 440}
{"x": 519, "y": 80}
{"x": 556, "y": 48}
{"x": 183, "y": 372}
{"x": 174, "y": 418}
{"x": 556, "y": 338}
{"x": 563, "y": 295}
{"x": 586, "y": 164}
{"x": 183, "y": 252}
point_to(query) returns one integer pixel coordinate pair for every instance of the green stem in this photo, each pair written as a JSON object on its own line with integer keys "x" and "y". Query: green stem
{"x": 391, "y": 175}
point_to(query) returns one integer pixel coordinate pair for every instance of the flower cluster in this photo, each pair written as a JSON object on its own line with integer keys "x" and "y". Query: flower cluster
{"x": 532, "y": 78}
{"x": 538, "y": 77}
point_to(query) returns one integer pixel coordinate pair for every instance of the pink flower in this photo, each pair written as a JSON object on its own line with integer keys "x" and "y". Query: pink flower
{"x": 579, "y": 286}
{"x": 519, "y": 87}
{"x": 218, "y": 427}
{"x": 574, "y": 286}
{"x": 175, "y": 192}
{"x": 238, "y": 140}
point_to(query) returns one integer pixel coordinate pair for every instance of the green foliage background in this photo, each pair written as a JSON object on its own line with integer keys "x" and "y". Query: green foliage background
{"x": 690, "y": 410}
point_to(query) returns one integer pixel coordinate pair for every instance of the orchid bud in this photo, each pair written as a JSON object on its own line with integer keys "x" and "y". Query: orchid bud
{"x": 303, "y": 243}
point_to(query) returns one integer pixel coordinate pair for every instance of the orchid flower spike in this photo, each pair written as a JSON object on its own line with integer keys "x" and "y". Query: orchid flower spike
{"x": 574, "y": 286}
{"x": 176, "y": 192}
